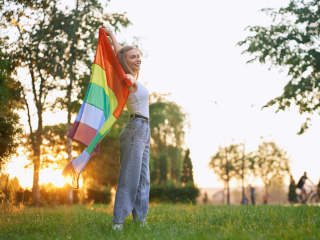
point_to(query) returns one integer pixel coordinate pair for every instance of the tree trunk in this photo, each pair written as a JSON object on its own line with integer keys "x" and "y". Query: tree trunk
{"x": 36, "y": 171}
{"x": 35, "y": 146}
{"x": 37, "y": 142}
{"x": 228, "y": 179}
{"x": 36, "y": 163}
{"x": 228, "y": 192}
{"x": 69, "y": 143}
{"x": 242, "y": 177}
{"x": 5, "y": 190}
{"x": 72, "y": 59}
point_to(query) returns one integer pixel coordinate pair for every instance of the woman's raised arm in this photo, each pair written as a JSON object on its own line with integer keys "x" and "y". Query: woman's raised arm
{"x": 115, "y": 43}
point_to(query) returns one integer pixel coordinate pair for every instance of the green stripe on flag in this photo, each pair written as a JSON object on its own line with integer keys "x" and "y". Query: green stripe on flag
{"x": 94, "y": 143}
{"x": 98, "y": 77}
{"x": 97, "y": 97}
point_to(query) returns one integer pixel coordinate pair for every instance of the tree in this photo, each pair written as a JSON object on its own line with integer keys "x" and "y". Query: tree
{"x": 187, "y": 170}
{"x": 38, "y": 49}
{"x": 50, "y": 45}
{"x": 167, "y": 139}
{"x": 79, "y": 27}
{"x": 270, "y": 163}
{"x": 292, "y": 195}
{"x": 292, "y": 42}
{"x": 9, "y": 102}
{"x": 226, "y": 164}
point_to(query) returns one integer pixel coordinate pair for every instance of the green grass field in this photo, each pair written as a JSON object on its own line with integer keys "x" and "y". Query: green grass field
{"x": 164, "y": 222}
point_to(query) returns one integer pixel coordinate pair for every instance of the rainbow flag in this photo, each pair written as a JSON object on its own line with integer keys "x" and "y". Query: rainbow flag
{"x": 106, "y": 96}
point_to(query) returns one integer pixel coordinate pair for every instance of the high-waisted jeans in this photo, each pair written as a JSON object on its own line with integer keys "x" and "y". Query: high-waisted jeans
{"x": 134, "y": 178}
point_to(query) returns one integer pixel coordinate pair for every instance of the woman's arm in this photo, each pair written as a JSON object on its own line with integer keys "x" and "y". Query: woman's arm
{"x": 115, "y": 43}
{"x": 134, "y": 87}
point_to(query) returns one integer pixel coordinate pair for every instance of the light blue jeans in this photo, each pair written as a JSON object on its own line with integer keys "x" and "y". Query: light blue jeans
{"x": 134, "y": 178}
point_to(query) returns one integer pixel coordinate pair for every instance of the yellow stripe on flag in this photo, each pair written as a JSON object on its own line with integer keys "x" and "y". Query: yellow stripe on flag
{"x": 99, "y": 78}
{"x": 107, "y": 125}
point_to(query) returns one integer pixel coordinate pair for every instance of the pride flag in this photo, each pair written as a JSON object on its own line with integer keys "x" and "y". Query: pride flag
{"x": 106, "y": 96}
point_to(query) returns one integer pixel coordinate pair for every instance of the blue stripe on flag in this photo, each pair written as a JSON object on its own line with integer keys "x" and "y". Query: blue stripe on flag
{"x": 80, "y": 112}
{"x": 80, "y": 162}
{"x": 92, "y": 116}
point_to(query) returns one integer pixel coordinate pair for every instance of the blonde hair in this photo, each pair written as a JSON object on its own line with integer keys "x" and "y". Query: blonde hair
{"x": 121, "y": 56}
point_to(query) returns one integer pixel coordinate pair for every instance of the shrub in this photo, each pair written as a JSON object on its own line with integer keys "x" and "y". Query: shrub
{"x": 49, "y": 195}
{"x": 99, "y": 195}
{"x": 173, "y": 194}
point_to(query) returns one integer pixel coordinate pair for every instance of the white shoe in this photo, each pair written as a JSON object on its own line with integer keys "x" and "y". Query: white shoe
{"x": 117, "y": 226}
{"x": 144, "y": 224}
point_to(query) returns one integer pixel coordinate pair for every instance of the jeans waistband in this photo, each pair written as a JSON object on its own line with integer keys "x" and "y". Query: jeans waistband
{"x": 145, "y": 119}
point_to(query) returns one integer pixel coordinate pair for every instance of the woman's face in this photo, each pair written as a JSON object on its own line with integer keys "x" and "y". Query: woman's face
{"x": 133, "y": 59}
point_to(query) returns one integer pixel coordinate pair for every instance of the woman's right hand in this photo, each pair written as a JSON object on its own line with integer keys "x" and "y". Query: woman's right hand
{"x": 131, "y": 78}
{"x": 107, "y": 31}
{"x": 115, "y": 43}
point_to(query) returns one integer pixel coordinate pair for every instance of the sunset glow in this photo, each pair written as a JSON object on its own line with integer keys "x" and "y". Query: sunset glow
{"x": 25, "y": 175}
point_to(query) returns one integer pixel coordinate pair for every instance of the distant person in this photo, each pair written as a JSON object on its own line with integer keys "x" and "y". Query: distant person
{"x": 245, "y": 200}
{"x": 303, "y": 196}
{"x": 205, "y": 199}
{"x": 253, "y": 194}
{"x": 316, "y": 194}
{"x": 265, "y": 199}
{"x": 292, "y": 195}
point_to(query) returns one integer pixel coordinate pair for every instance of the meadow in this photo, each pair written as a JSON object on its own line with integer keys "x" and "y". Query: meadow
{"x": 164, "y": 222}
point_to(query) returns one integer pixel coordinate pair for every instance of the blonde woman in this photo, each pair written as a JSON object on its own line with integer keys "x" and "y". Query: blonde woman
{"x": 132, "y": 194}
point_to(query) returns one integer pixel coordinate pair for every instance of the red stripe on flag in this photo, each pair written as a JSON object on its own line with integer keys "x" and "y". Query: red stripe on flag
{"x": 84, "y": 134}
{"x": 77, "y": 136}
{"x": 73, "y": 129}
{"x": 114, "y": 72}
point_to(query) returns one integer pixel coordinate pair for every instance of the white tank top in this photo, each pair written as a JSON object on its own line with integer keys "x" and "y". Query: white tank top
{"x": 138, "y": 102}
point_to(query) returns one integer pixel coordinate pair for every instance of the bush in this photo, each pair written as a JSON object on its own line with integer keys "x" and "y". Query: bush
{"x": 99, "y": 195}
{"x": 173, "y": 194}
{"x": 49, "y": 195}
{"x": 26, "y": 195}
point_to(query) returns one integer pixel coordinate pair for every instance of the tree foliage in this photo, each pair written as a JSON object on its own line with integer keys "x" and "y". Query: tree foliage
{"x": 291, "y": 42}
{"x": 103, "y": 169}
{"x": 165, "y": 149}
{"x": 167, "y": 139}
{"x": 227, "y": 162}
{"x": 187, "y": 169}
{"x": 9, "y": 119}
{"x": 37, "y": 48}
{"x": 55, "y": 46}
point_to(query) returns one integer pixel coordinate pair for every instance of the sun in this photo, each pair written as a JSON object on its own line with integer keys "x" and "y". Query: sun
{"x": 25, "y": 176}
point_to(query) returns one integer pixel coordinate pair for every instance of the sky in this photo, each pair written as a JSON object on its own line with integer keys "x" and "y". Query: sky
{"x": 192, "y": 54}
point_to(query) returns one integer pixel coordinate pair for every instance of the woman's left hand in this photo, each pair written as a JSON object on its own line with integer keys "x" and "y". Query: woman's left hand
{"x": 131, "y": 78}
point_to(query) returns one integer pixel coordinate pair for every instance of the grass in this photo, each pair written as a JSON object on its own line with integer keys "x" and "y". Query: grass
{"x": 164, "y": 222}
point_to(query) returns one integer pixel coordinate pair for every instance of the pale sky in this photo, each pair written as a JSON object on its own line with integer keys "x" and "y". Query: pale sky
{"x": 192, "y": 54}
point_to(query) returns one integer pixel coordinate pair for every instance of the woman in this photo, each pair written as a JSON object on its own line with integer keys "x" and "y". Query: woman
{"x": 134, "y": 178}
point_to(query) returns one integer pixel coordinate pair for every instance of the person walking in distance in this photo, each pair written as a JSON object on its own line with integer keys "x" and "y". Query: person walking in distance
{"x": 132, "y": 195}
{"x": 253, "y": 194}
